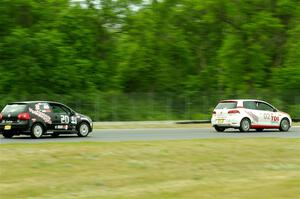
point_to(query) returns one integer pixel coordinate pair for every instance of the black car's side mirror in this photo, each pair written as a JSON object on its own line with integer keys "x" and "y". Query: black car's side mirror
{"x": 72, "y": 113}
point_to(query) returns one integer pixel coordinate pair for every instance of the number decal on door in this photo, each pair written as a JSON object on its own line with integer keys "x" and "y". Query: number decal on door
{"x": 74, "y": 120}
{"x": 267, "y": 116}
{"x": 64, "y": 119}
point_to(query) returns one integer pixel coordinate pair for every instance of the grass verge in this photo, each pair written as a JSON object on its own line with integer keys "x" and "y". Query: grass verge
{"x": 215, "y": 168}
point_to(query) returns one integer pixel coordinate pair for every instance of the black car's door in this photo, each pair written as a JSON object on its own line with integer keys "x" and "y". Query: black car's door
{"x": 60, "y": 116}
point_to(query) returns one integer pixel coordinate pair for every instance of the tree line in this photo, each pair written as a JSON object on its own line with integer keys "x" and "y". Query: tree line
{"x": 85, "y": 49}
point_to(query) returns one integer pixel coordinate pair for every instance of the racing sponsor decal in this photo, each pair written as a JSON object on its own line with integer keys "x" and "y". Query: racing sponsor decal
{"x": 37, "y": 107}
{"x": 254, "y": 117}
{"x": 274, "y": 118}
{"x": 42, "y": 115}
{"x": 73, "y": 120}
{"x": 62, "y": 127}
{"x": 269, "y": 116}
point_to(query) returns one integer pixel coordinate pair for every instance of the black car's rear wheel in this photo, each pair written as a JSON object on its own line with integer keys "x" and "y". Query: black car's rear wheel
{"x": 7, "y": 134}
{"x": 37, "y": 130}
{"x": 83, "y": 129}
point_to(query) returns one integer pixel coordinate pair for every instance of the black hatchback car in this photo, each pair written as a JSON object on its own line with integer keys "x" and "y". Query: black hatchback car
{"x": 37, "y": 118}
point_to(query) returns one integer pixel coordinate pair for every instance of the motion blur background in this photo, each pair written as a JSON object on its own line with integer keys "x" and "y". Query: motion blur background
{"x": 150, "y": 60}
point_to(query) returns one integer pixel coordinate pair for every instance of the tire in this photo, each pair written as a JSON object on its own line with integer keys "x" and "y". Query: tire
{"x": 245, "y": 125}
{"x": 7, "y": 134}
{"x": 37, "y": 131}
{"x": 284, "y": 125}
{"x": 260, "y": 130}
{"x": 219, "y": 129}
{"x": 83, "y": 129}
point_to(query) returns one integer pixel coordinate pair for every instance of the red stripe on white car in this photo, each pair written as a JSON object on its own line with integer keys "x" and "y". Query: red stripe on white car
{"x": 264, "y": 126}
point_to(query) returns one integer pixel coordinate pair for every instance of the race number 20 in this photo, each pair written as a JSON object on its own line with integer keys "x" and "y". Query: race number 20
{"x": 64, "y": 119}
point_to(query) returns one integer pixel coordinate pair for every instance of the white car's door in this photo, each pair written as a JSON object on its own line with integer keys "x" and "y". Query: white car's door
{"x": 267, "y": 114}
{"x": 252, "y": 112}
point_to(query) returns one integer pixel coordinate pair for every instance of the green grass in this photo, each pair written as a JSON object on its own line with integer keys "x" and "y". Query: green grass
{"x": 212, "y": 168}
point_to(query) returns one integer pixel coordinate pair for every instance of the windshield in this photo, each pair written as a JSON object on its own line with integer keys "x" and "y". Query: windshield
{"x": 14, "y": 108}
{"x": 226, "y": 105}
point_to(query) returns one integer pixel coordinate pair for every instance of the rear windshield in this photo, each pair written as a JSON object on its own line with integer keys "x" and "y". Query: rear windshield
{"x": 14, "y": 108}
{"x": 226, "y": 105}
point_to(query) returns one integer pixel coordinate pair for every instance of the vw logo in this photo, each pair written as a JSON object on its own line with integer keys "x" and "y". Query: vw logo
{"x": 9, "y": 115}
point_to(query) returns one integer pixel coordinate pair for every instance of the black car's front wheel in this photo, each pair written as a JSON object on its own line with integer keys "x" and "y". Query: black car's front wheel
{"x": 37, "y": 130}
{"x": 83, "y": 129}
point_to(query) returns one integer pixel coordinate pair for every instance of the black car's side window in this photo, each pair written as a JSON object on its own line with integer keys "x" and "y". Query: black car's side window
{"x": 42, "y": 107}
{"x": 58, "y": 109}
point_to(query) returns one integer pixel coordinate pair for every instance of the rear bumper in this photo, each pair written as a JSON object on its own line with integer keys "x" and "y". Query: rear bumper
{"x": 17, "y": 128}
{"x": 226, "y": 122}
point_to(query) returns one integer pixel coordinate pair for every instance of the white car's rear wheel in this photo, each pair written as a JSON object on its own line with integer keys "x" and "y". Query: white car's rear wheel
{"x": 245, "y": 125}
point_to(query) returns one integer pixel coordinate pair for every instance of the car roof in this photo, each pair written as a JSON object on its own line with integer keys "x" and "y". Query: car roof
{"x": 242, "y": 100}
{"x": 34, "y": 102}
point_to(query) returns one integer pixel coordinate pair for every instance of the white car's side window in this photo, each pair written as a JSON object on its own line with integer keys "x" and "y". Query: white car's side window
{"x": 250, "y": 105}
{"x": 264, "y": 107}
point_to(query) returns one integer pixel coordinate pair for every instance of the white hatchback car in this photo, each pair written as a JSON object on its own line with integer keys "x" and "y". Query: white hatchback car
{"x": 249, "y": 114}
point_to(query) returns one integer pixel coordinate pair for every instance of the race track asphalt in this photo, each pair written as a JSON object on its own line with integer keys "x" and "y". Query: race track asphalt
{"x": 118, "y": 135}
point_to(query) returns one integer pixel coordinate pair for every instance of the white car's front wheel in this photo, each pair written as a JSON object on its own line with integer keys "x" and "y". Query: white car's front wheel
{"x": 284, "y": 125}
{"x": 245, "y": 125}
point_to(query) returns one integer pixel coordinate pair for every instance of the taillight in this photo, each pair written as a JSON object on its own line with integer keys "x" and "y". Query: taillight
{"x": 24, "y": 116}
{"x": 214, "y": 112}
{"x": 233, "y": 112}
{"x": 1, "y": 116}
